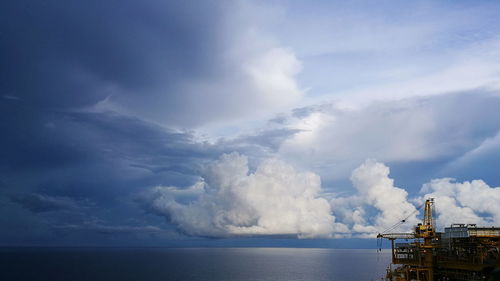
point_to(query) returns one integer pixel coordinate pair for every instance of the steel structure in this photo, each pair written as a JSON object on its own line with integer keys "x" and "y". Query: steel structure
{"x": 462, "y": 252}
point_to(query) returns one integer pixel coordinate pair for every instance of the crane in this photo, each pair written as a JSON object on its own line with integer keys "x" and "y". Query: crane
{"x": 426, "y": 231}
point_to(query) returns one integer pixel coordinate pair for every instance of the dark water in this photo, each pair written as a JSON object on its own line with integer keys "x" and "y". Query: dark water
{"x": 210, "y": 264}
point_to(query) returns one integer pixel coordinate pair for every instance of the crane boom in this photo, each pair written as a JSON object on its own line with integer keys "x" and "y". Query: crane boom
{"x": 422, "y": 230}
{"x": 396, "y": 235}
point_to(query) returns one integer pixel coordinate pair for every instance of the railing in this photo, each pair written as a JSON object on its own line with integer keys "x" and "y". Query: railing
{"x": 484, "y": 232}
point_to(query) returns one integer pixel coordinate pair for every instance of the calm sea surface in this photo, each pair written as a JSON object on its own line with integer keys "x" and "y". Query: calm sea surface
{"x": 208, "y": 264}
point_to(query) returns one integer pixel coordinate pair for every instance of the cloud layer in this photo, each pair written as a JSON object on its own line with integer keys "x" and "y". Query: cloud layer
{"x": 159, "y": 61}
{"x": 335, "y": 139}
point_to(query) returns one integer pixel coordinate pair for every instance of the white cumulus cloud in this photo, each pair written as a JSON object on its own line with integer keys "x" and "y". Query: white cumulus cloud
{"x": 276, "y": 199}
{"x": 466, "y": 202}
{"x": 373, "y": 184}
{"x": 376, "y": 190}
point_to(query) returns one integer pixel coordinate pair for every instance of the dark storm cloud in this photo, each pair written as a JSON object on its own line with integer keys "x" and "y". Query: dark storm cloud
{"x": 59, "y": 56}
{"x": 177, "y": 63}
{"x": 49, "y": 47}
{"x": 95, "y": 149}
{"x": 66, "y": 159}
{"x": 73, "y": 54}
{"x": 60, "y": 159}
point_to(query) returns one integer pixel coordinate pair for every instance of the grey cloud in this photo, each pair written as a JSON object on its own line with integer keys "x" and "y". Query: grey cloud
{"x": 261, "y": 143}
{"x": 481, "y": 162}
{"x": 119, "y": 152}
{"x": 303, "y": 112}
{"x": 163, "y": 61}
{"x": 430, "y": 130}
{"x": 71, "y": 46}
{"x": 91, "y": 93}
{"x": 44, "y": 203}
{"x": 111, "y": 229}
{"x": 278, "y": 119}
{"x": 105, "y": 157}
{"x": 46, "y": 170}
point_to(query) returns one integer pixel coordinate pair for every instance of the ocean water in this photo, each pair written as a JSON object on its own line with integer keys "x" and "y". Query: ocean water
{"x": 203, "y": 264}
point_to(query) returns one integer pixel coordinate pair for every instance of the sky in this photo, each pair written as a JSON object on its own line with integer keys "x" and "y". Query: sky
{"x": 245, "y": 123}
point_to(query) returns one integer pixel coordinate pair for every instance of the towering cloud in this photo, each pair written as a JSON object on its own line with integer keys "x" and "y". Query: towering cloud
{"x": 275, "y": 199}
{"x": 373, "y": 184}
{"x": 377, "y": 204}
{"x": 467, "y": 202}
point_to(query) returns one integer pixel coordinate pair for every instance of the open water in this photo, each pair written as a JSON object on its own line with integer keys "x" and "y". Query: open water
{"x": 203, "y": 264}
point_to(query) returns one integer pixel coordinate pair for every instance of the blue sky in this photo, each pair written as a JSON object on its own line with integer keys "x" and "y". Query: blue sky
{"x": 181, "y": 122}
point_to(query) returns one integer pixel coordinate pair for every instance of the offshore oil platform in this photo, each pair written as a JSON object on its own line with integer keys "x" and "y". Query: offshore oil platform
{"x": 462, "y": 252}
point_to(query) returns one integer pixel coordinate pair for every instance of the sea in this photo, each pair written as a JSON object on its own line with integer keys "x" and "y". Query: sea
{"x": 197, "y": 264}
